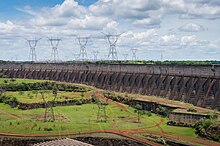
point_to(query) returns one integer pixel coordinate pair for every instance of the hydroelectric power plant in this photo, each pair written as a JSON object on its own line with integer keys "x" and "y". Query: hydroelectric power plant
{"x": 195, "y": 84}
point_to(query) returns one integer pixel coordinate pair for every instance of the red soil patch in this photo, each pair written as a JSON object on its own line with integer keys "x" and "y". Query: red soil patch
{"x": 125, "y": 133}
{"x": 14, "y": 115}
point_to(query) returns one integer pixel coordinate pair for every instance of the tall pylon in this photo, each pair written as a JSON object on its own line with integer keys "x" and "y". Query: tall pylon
{"x": 112, "y": 40}
{"x": 82, "y": 42}
{"x": 32, "y": 44}
{"x": 134, "y": 57}
{"x": 54, "y": 44}
{"x": 125, "y": 56}
{"x": 102, "y": 117}
{"x": 95, "y": 55}
{"x": 48, "y": 105}
{"x": 76, "y": 56}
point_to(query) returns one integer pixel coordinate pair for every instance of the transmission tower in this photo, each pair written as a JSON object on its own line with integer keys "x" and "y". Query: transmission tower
{"x": 82, "y": 42}
{"x": 54, "y": 44}
{"x": 134, "y": 57}
{"x": 32, "y": 44}
{"x": 95, "y": 54}
{"x": 125, "y": 56}
{"x": 161, "y": 57}
{"x": 112, "y": 39}
{"x": 48, "y": 105}
{"x": 102, "y": 117}
{"x": 76, "y": 56}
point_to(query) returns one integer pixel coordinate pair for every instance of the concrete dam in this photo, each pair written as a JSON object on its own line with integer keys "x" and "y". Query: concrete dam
{"x": 195, "y": 84}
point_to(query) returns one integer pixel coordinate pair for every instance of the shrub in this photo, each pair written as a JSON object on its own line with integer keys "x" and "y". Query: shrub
{"x": 213, "y": 116}
{"x": 162, "y": 111}
{"x": 148, "y": 114}
{"x": 208, "y": 128}
{"x": 191, "y": 109}
{"x": 95, "y": 99}
{"x": 48, "y": 129}
{"x": 69, "y": 90}
{"x": 78, "y": 102}
{"x": 13, "y": 80}
{"x": 114, "y": 98}
{"x": 12, "y": 101}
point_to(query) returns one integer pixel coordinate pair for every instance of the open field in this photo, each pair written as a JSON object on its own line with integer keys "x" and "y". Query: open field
{"x": 8, "y": 81}
{"x": 33, "y": 97}
{"x": 82, "y": 119}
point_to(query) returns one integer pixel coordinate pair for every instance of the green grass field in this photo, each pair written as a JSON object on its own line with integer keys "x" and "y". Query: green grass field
{"x": 8, "y": 80}
{"x": 77, "y": 118}
{"x": 80, "y": 118}
{"x": 35, "y": 96}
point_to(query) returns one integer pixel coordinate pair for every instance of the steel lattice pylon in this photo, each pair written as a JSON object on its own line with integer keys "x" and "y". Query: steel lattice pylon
{"x": 32, "y": 44}
{"x": 82, "y": 42}
{"x": 54, "y": 44}
{"x": 134, "y": 57}
{"x": 125, "y": 56}
{"x": 48, "y": 105}
{"x": 76, "y": 56}
{"x": 102, "y": 117}
{"x": 112, "y": 40}
{"x": 95, "y": 54}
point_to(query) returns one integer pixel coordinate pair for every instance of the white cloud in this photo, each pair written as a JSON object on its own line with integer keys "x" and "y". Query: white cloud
{"x": 192, "y": 8}
{"x": 140, "y": 20}
{"x": 89, "y": 22}
{"x": 189, "y": 40}
{"x": 27, "y": 9}
{"x": 148, "y": 22}
{"x": 169, "y": 38}
{"x": 6, "y": 27}
{"x": 111, "y": 27}
{"x": 215, "y": 44}
{"x": 191, "y": 27}
{"x": 68, "y": 8}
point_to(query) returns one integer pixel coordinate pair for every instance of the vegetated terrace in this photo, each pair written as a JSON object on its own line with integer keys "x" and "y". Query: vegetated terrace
{"x": 79, "y": 117}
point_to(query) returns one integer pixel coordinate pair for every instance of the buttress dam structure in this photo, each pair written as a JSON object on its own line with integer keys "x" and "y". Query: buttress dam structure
{"x": 195, "y": 84}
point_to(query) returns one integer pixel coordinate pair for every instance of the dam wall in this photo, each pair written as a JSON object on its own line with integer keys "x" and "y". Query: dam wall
{"x": 195, "y": 84}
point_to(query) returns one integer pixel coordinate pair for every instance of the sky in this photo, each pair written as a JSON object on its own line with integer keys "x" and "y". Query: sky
{"x": 157, "y": 29}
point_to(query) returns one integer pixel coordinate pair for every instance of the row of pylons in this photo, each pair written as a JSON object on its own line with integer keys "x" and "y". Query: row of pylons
{"x": 82, "y": 56}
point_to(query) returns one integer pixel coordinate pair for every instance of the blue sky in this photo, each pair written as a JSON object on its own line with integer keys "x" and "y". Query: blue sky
{"x": 174, "y": 29}
{"x": 9, "y": 7}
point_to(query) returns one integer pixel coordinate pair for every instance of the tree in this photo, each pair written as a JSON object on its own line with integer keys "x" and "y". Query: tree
{"x": 82, "y": 95}
{"x": 191, "y": 109}
{"x": 208, "y": 128}
{"x": 35, "y": 92}
{"x": 95, "y": 99}
{"x": 55, "y": 91}
{"x": 20, "y": 93}
{"x": 1, "y": 92}
{"x": 163, "y": 111}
